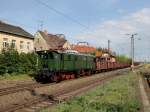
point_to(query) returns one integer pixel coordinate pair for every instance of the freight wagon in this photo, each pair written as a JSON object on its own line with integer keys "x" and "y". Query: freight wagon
{"x": 103, "y": 65}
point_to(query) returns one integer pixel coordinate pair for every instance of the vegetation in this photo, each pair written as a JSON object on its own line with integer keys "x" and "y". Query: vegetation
{"x": 11, "y": 62}
{"x": 15, "y": 77}
{"x": 144, "y": 70}
{"x": 123, "y": 58}
{"x": 118, "y": 95}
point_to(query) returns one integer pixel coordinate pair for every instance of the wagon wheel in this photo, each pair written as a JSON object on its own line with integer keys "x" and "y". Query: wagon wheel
{"x": 54, "y": 78}
{"x": 89, "y": 73}
{"x": 72, "y": 76}
{"x": 67, "y": 77}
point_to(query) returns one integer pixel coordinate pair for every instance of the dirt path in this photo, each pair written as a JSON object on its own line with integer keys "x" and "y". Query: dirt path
{"x": 144, "y": 97}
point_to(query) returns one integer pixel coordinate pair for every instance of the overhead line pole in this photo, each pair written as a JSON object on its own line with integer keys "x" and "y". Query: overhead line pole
{"x": 132, "y": 49}
{"x": 108, "y": 46}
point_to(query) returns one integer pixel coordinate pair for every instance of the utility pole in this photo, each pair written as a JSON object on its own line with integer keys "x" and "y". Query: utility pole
{"x": 108, "y": 46}
{"x": 132, "y": 49}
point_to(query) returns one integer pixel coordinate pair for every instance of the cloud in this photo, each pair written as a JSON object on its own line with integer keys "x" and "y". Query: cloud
{"x": 115, "y": 30}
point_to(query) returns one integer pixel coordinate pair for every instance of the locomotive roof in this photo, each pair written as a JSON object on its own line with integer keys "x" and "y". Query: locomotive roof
{"x": 79, "y": 54}
{"x": 67, "y": 53}
{"x": 75, "y": 53}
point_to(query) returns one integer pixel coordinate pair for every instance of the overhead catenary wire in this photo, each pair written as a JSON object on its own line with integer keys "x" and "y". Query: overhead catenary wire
{"x": 57, "y": 11}
{"x": 62, "y": 14}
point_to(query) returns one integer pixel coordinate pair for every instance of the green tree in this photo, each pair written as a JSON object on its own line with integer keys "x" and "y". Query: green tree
{"x": 123, "y": 58}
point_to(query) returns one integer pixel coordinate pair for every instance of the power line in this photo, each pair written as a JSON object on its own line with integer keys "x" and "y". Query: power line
{"x": 61, "y": 13}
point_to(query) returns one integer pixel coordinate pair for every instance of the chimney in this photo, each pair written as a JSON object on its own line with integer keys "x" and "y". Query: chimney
{"x": 61, "y": 36}
{"x": 46, "y": 32}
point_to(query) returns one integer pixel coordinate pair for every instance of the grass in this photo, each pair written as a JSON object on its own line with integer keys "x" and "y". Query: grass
{"x": 143, "y": 70}
{"x": 14, "y": 77}
{"x": 118, "y": 95}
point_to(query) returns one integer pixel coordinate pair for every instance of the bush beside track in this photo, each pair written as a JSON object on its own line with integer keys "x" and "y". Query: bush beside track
{"x": 11, "y": 62}
{"x": 118, "y": 95}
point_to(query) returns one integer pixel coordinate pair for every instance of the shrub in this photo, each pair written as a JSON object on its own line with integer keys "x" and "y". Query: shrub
{"x": 13, "y": 62}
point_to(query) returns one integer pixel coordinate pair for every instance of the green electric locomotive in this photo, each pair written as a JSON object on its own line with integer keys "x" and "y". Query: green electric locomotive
{"x": 57, "y": 66}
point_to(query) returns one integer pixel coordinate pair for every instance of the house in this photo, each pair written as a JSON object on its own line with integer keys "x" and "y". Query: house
{"x": 84, "y": 48}
{"x": 45, "y": 41}
{"x": 15, "y": 37}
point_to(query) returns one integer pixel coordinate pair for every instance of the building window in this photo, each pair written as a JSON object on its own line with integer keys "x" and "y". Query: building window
{"x": 13, "y": 44}
{"x": 5, "y": 42}
{"x": 21, "y": 44}
{"x": 28, "y": 45}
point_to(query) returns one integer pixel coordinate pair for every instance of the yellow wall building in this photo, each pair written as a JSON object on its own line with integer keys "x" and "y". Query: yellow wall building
{"x": 15, "y": 37}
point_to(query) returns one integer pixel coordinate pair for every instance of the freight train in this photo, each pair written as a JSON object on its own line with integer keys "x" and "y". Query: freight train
{"x": 56, "y": 66}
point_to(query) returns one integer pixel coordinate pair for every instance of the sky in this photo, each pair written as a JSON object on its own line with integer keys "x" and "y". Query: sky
{"x": 93, "y": 21}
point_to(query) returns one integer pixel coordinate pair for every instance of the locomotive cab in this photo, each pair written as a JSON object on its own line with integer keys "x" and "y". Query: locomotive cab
{"x": 49, "y": 60}
{"x": 44, "y": 60}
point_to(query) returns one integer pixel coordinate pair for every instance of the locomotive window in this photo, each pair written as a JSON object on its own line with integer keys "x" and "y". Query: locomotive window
{"x": 79, "y": 58}
{"x": 41, "y": 55}
{"x": 56, "y": 56}
{"x": 61, "y": 56}
{"x": 76, "y": 58}
{"x": 44, "y": 56}
{"x": 72, "y": 57}
{"x": 65, "y": 57}
{"x": 91, "y": 59}
{"x": 51, "y": 56}
{"x": 88, "y": 58}
{"x": 69, "y": 57}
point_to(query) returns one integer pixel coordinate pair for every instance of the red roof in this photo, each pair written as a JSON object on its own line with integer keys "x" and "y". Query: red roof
{"x": 84, "y": 49}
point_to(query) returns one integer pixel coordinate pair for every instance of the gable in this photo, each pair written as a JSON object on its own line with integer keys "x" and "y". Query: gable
{"x": 53, "y": 41}
{"x": 40, "y": 43}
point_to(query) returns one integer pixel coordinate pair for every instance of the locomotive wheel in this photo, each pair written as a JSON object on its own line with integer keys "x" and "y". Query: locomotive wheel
{"x": 63, "y": 77}
{"x": 67, "y": 77}
{"x": 54, "y": 78}
{"x": 72, "y": 76}
{"x": 77, "y": 76}
{"x": 43, "y": 77}
{"x": 89, "y": 73}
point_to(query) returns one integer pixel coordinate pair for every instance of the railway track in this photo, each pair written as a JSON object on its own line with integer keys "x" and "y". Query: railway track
{"x": 147, "y": 87}
{"x": 146, "y": 80}
{"x": 58, "y": 96}
{"x": 21, "y": 87}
